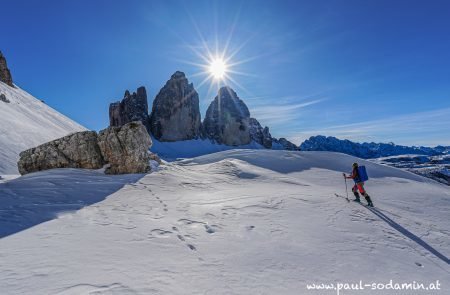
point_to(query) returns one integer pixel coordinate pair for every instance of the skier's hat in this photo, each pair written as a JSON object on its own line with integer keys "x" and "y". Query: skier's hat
{"x": 355, "y": 164}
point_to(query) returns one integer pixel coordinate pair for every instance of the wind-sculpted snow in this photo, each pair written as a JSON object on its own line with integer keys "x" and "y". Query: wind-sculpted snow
{"x": 234, "y": 222}
{"x": 301, "y": 161}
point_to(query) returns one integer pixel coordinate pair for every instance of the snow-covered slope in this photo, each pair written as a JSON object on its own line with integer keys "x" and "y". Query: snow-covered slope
{"x": 234, "y": 222}
{"x": 27, "y": 122}
{"x": 171, "y": 151}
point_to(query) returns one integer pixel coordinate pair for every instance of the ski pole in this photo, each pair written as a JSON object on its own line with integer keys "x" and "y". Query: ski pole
{"x": 346, "y": 190}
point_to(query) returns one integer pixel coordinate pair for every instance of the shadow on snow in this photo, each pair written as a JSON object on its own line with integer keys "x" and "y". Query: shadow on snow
{"x": 39, "y": 197}
{"x": 408, "y": 234}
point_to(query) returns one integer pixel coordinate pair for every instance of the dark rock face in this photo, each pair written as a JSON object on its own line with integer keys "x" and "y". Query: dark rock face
{"x": 286, "y": 144}
{"x": 3, "y": 98}
{"x": 126, "y": 148}
{"x": 259, "y": 134}
{"x": 133, "y": 107}
{"x": 227, "y": 119}
{"x": 176, "y": 113}
{"x": 5, "y": 74}
{"x": 78, "y": 150}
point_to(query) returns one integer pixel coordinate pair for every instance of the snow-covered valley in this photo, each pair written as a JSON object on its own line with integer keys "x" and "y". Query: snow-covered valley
{"x": 233, "y": 222}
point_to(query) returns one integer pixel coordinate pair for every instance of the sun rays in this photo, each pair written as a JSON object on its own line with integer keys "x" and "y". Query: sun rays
{"x": 217, "y": 57}
{"x": 218, "y": 68}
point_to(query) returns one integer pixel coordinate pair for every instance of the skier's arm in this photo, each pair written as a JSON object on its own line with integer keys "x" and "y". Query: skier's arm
{"x": 350, "y": 176}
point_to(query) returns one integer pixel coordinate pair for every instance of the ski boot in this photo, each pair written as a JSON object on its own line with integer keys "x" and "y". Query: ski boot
{"x": 369, "y": 201}
{"x": 357, "y": 199}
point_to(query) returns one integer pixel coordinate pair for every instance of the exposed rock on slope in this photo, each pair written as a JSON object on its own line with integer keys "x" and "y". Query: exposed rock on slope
{"x": 227, "y": 119}
{"x": 78, "y": 150}
{"x": 284, "y": 144}
{"x": 259, "y": 134}
{"x": 133, "y": 107}
{"x": 126, "y": 148}
{"x": 4, "y": 99}
{"x": 175, "y": 113}
{"x": 5, "y": 74}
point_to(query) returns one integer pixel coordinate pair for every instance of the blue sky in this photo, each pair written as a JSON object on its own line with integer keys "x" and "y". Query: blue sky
{"x": 362, "y": 70}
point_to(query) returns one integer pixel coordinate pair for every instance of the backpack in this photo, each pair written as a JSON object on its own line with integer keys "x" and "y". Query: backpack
{"x": 362, "y": 173}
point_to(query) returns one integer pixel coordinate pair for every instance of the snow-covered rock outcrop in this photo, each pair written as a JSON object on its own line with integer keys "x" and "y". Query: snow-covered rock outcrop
{"x": 176, "y": 112}
{"x": 227, "y": 119}
{"x": 284, "y": 144}
{"x": 26, "y": 122}
{"x": 259, "y": 134}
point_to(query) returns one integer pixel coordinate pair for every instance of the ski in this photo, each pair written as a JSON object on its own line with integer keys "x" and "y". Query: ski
{"x": 348, "y": 200}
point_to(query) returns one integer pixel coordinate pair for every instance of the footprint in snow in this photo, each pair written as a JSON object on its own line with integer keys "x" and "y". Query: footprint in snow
{"x": 160, "y": 233}
{"x": 209, "y": 229}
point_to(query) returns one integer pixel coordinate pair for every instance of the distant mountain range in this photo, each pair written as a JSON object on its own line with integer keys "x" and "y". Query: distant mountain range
{"x": 368, "y": 150}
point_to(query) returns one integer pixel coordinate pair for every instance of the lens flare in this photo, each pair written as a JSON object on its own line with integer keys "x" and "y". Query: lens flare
{"x": 218, "y": 68}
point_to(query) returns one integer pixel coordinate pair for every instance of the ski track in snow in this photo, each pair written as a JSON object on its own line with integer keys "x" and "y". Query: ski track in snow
{"x": 228, "y": 224}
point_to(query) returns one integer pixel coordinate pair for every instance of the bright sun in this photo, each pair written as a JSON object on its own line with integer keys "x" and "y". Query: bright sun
{"x": 218, "y": 68}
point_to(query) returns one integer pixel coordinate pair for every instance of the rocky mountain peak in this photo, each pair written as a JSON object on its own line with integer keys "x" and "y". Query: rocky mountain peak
{"x": 133, "y": 107}
{"x": 178, "y": 75}
{"x": 227, "y": 119}
{"x": 176, "y": 113}
{"x": 5, "y": 74}
{"x": 259, "y": 134}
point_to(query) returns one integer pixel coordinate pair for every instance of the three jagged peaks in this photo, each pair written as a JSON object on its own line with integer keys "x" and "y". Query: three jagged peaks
{"x": 175, "y": 116}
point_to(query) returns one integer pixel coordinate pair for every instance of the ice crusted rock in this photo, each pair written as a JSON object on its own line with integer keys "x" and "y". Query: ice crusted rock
{"x": 5, "y": 74}
{"x": 126, "y": 148}
{"x": 133, "y": 107}
{"x": 259, "y": 134}
{"x": 227, "y": 119}
{"x": 176, "y": 113}
{"x": 78, "y": 150}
